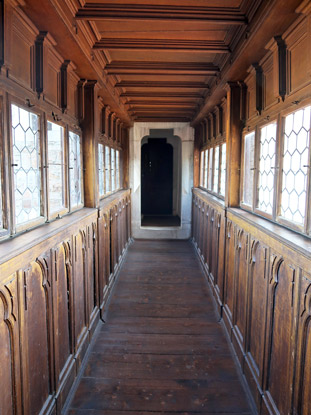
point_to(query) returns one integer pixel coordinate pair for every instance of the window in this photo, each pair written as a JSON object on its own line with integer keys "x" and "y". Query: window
{"x": 101, "y": 170}
{"x": 282, "y": 170}
{"x": 56, "y": 168}
{"x": 222, "y": 172}
{"x": 112, "y": 169}
{"x": 75, "y": 170}
{"x": 206, "y": 168}
{"x": 267, "y": 168}
{"x": 26, "y": 165}
{"x": 216, "y": 169}
{"x": 248, "y": 168}
{"x": 118, "y": 169}
{"x": 107, "y": 169}
{"x": 210, "y": 169}
{"x": 202, "y": 165}
{"x": 295, "y": 156}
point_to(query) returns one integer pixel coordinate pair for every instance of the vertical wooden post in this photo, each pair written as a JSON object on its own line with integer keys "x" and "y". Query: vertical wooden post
{"x": 233, "y": 140}
{"x": 196, "y": 156}
{"x": 125, "y": 157}
{"x": 90, "y": 148}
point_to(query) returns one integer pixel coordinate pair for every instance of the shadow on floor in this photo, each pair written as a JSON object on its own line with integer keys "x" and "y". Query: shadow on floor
{"x": 160, "y": 221}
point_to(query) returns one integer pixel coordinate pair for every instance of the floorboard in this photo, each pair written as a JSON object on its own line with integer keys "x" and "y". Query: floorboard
{"x": 162, "y": 349}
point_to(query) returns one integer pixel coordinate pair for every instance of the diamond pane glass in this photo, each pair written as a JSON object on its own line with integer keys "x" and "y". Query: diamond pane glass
{"x": 206, "y": 168}
{"x": 101, "y": 172}
{"x": 75, "y": 170}
{"x": 248, "y": 168}
{"x": 266, "y": 168}
{"x": 112, "y": 170}
{"x": 117, "y": 169}
{"x": 295, "y": 165}
{"x": 107, "y": 169}
{"x": 56, "y": 171}
{"x": 210, "y": 169}
{"x": 222, "y": 189}
{"x": 26, "y": 163}
{"x": 202, "y": 169}
{"x": 216, "y": 169}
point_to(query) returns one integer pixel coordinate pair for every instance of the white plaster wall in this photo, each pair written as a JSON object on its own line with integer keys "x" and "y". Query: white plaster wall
{"x": 186, "y": 134}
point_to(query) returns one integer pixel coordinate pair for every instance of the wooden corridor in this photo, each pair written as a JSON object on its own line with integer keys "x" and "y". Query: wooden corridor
{"x": 162, "y": 349}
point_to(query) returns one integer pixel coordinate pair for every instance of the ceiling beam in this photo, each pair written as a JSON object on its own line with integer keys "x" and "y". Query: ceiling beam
{"x": 163, "y": 44}
{"x": 148, "y": 94}
{"x": 174, "y": 104}
{"x": 215, "y": 15}
{"x": 158, "y": 68}
{"x": 160, "y": 84}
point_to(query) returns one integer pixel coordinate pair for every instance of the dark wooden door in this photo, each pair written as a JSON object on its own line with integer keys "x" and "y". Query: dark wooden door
{"x": 157, "y": 178}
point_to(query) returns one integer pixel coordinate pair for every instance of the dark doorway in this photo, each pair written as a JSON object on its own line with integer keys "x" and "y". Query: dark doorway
{"x": 157, "y": 177}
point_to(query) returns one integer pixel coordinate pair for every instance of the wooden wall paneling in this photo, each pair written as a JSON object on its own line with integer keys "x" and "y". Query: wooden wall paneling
{"x": 256, "y": 321}
{"x": 207, "y": 240}
{"x": 230, "y": 273}
{"x": 250, "y": 82}
{"x": 201, "y": 229}
{"x": 129, "y": 220}
{"x": 92, "y": 278}
{"x": 302, "y": 403}
{"x": 298, "y": 55}
{"x": 215, "y": 250}
{"x": 119, "y": 231}
{"x": 21, "y": 39}
{"x": 219, "y": 288}
{"x": 80, "y": 290}
{"x": 72, "y": 90}
{"x": 280, "y": 336}
{"x": 35, "y": 299}
{"x": 112, "y": 241}
{"x": 194, "y": 219}
{"x": 204, "y": 230}
{"x": 240, "y": 292}
{"x": 269, "y": 96}
{"x": 123, "y": 224}
{"x": 102, "y": 257}
{"x": 64, "y": 364}
{"x": 10, "y": 379}
{"x": 51, "y": 72}
{"x": 210, "y": 252}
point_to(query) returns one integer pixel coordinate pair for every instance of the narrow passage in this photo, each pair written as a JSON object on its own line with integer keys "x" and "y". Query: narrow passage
{"x": 162, "y": 350}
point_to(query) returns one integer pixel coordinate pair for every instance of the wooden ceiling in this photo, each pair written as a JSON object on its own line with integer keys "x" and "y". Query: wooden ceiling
{"x": 164, "y": 56}
{"x": 163, "y": 60}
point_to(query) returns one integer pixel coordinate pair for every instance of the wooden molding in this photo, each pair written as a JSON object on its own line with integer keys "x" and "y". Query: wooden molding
{"x": 157, "y": 68}
{"x": 282, "y": 58}
{"x": 160, "y": 84}
{"x": 215, "y": 15}
{"x": 163, "y": 44}
{"x": 259, "y": 87}
{"x": 148, "y": 94}
{"x": 39, "y": 62}
{"x": 64, "y": 85}
{"x": 1, "y": 33}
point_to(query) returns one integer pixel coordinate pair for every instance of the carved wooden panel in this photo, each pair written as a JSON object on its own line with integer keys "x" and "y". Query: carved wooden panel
{"x": 91, "y": 277}
{"x": 299, "y": 56}
{"x": 241, "y": 287}
{"x": 21, "y": 55}
{"x": 215, "y": 248}
{"x": 229, "y": 279}
{"x": 62, "y": 314}
{"x": 52, "y": 65}
{"x": 269, "y": 96}
{"x": 279, "y": 357}
{"x": 72, "y": 91}
{"x": 251, "y": 95}
{"x": 36, "y": 335}
{"x": 80, "y": 289}
{"x": 303, "y": 383}
{"x": 9, "y": 349}
{"x": 257, "y": 304}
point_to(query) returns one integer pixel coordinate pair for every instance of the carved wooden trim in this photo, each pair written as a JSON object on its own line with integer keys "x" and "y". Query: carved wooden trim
{"x": 282, "y": 59}
{"x": 39, "y": 62}
{"x": 64, "y": 85}
{"x": 1, "y": 33}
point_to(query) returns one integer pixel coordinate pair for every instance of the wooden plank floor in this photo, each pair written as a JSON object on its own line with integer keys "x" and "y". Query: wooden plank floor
{"x": 162, "y": 350}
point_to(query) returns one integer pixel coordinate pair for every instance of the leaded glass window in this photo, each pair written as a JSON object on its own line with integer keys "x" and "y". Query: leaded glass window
{"x": 107, "y": 169}
{"x": 56, "y": 167}
{"x": 112, "y": 169}
{"x": 26, "y": 164}
{"x": 117, "y": 169}
{"x": 248, "y": 168}
{"x": 101, "y": 170}
{"x": 295, "y": 165}
{"x": 223, "y": 170}
{"x": 206, "y": 168}
{"x": 1, "y": 208}
{"x": 202, "y": 168}
{"x": 267, "y": 168}
{"x": 210, "y": 169}
{"x": 75, "y": 170}
{"x": 216, "y": 169}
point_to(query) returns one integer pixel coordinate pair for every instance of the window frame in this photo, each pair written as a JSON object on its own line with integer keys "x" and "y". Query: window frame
{"x": 5, "y": 188}
{"x": 65, "y": 209}
{"x": 242, "y": 204}
{"x": 14, "y": 228}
